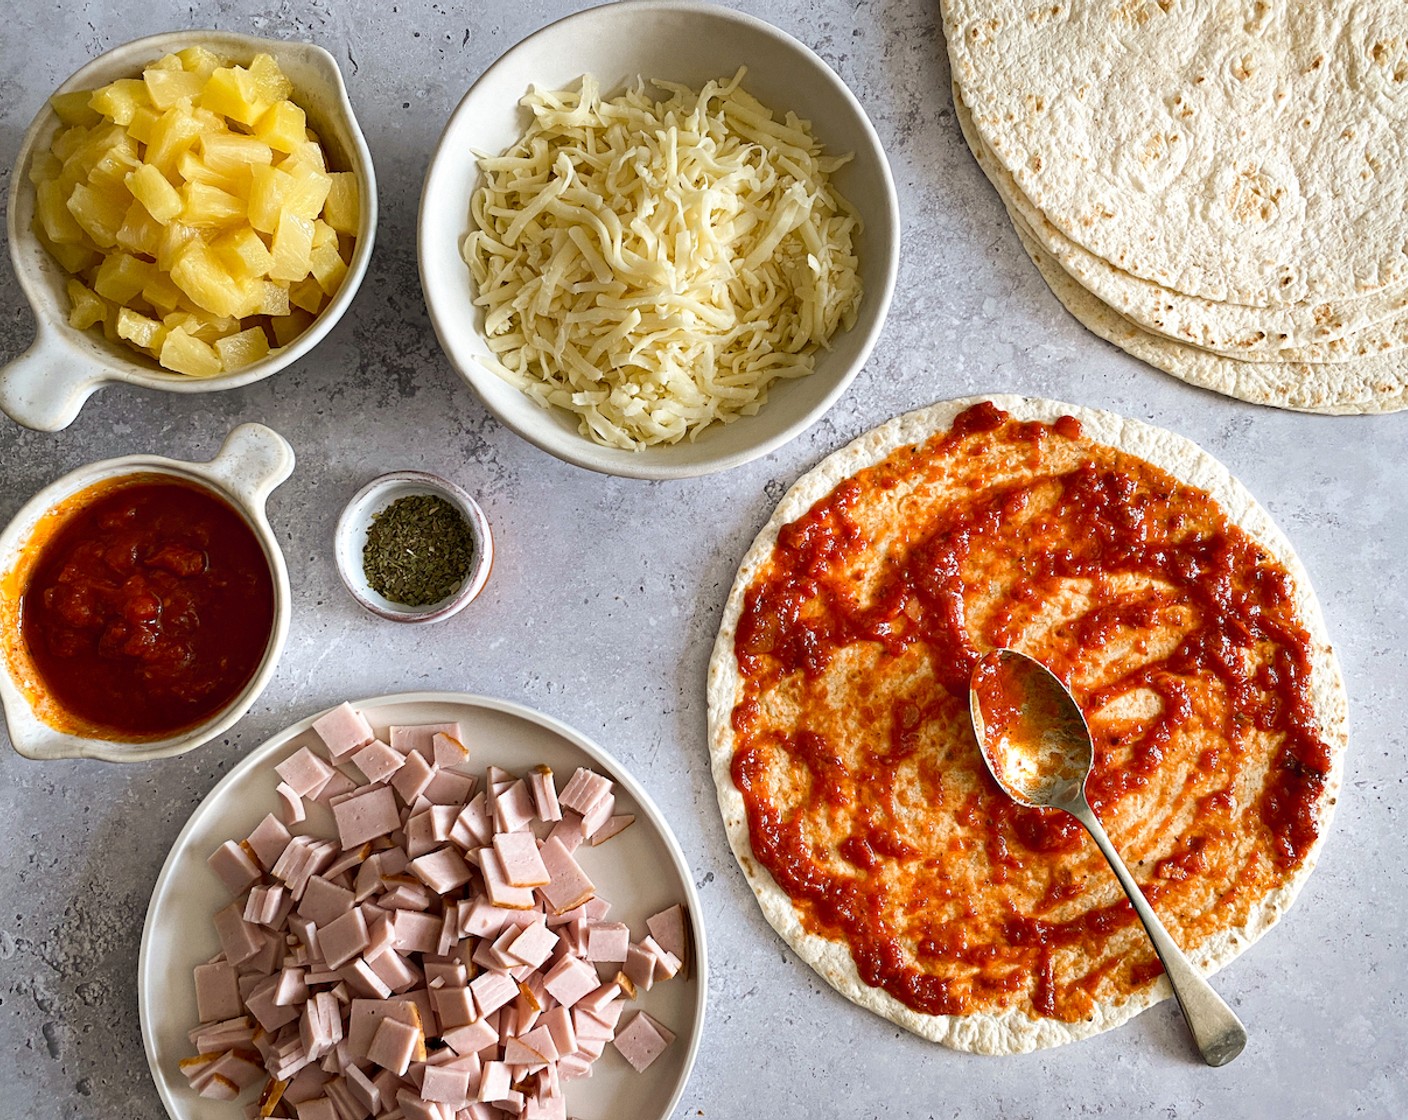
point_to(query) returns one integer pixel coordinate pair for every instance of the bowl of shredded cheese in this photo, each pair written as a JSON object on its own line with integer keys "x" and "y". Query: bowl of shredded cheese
{"x": 658, "y": 239}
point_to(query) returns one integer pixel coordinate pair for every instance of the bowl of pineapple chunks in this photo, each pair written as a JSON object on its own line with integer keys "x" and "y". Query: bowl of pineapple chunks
{"x": 191, "y": 211}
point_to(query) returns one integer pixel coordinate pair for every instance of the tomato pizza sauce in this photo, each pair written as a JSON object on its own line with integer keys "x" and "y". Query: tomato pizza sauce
{"x": 147, "y": 609}
{"x": 866, "y": 796}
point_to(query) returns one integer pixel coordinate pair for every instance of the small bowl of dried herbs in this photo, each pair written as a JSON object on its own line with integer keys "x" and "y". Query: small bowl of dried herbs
{"x": 413, "y": 547}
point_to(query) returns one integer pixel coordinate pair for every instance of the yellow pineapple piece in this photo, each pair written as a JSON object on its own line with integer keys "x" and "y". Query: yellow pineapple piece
{"x": 206, "y": 283}
{"x": 140, "y": 330}
{"x": 323, "y": 234}
{"x": 140, "y": 233}
{"x": 193, "y": 169}
{"x": 328, "y": 268}
{"x": 86, "y": 306}
{"x": 119, "y": 100}
{"x": 99, "y": 213}
{"x": 274, "y": 299}
{"x": 307, "y": 294}
{"x": 342, "y": 210}
{"x": 161, "y": 292}
{"x": 232, "y": 153}
{"x": 74, "y": 258}
{"x": 113, "y": 165}
{"x": 52, "y": 213}
{"x": 44, "y": 166}
{"x": 67, "y": 142}
{"x": 282, "y": 127}
{"x": 174, "y": 133}
{"x": 121, "y": 277}
{"x": 243, "y": 252}
{"x": 166, "y": 62}
{"x": 201, "y": 324}
{"x": 73, "y": 108}
{"x": 199, "y": 60}
{"x": 269, "y": 79}
{"x": 174, "y": 238}
{"x": 208, "y": 207}
{"x": 154, "y": 191}
{"x": 242, "y": 349}
{"x": 268, "y": 189}
{"x": 233, "y": 92}
{"x": 292, "y": 247}
{"x": 166, "y": 87}
{"x": 140, "y": 127}
{"x": 307, "y": 193}
{"x": 288, "y": 327}
{"x": 184, "y": 354}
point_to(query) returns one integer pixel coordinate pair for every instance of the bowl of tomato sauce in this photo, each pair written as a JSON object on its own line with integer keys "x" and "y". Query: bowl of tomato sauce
{"x": 144, "y": 602}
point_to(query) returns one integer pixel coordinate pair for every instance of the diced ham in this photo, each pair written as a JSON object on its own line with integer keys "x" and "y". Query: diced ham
{"x": 668, "y": 929}
{"x": 365, "y": 816}
{"x": 411, "y": 780}
{"x": 471, "y": 1038}
{"x": 518, "y": 855}
{"x": 594, "y": 820}
{"x": 292, "y": 804}
{"x": 474, "y": 828}
{"x": 613, "y": 827}
{"x": 513, "y": 808}
{"x": 217, "y": 992}
{"x": 450, "y": 788}
{"x": 568, "y": 831}
{"x": 343, "y": 938}
{"x": 268, "y": 840}
{"x": 421, "y": 737}
{"x": 608, "y": 942}
{"x": 585, "y": 790}
{"x": 666, "y": 963}
{"x": 239, "y": 940}
{"x": 323, "y": 901}
{"x": 454, "y": 1006}
{"x": 378, "y": 761}
{"x": 501, "y": 892}
{"x": 447, "y": 1084}
{"x": 234, "y": 867}
{"x": 570, "y": 979}
{"x": 441, "y": 870}
{"x": 568, "y": 886}
{"x": 492, "y": 990}
{"x": 336, "y": 787}
{"x": 494, "y": 1083}
{"x": 641, "y": 1041}
{"x": 394, "y": 1045}
{"x": 304, "y": 773}
{"x": 448, "y": 750}
{"x": 343, "y": 730}
{"x": 544, "y": 792}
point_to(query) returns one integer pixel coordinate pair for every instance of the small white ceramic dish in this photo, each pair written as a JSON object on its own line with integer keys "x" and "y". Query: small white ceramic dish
{"x": 641, "y": 871}
{"x": 252, "y": 462}
{"x": 46, "y": 386}
{"x": 682, "y": 42}
{"x": 351, "y": 538}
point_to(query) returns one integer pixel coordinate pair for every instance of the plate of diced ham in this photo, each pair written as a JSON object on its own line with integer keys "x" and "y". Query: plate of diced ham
{"x": 424, "y": 907}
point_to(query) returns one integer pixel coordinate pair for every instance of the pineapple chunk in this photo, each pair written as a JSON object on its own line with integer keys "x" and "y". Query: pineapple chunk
{"x": 73, "y": 108}
{"x": 175, "y": 132}
{"x": 290, "y": 326}
{"x": 283, "y": 127}
{"x": 166, "y": 62}
{"x": 268, "y": 191}
{"x": 174, "y": 238}
{"x": 328, "y": 267}
{"x": 199, "y": 274}
{"x": 244, "y": 253}
{"x": 233, "y": 92}
{"x": 53, "y": 215}
{"x": 140, "y": 232}
{"x": 193, "y": 169}
{"x": 44, "y": 166}
{"x": 140, "y": 330}
{"x": 99, "y": 213}
{"x": 161, "y": 292}
{"x": 230, "y": 153}
{"x": 292, "y": 247}
{"x": 75, "y": 259}
{"x": 341, "y": 211}
{"x": 307, "y": 193}
{"x": 143, "y": 121}
{"x": 121, "y": 277}
{"x": 275, "y": 299}
{"x": 307, "y": 294}
{"x": 119, "y": 100}
{"x": 269, "y": 80}
{"x": 87, "y": 307}
{"x": 208, "y": 207}
{"x": 191, "y": 356}
{"x": 199, "y": 60}
{"x": 239, "y": 350}
{"x": 154, "y": 191}
{"x": 166, "y": 88}
{"x": 201, "y": 324}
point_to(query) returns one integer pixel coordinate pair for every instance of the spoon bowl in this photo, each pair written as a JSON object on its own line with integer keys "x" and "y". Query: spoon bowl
{"x": 1037, "y": 746}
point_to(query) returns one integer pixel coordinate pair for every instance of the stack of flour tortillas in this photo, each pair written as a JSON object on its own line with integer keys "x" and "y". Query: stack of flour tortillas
{"x": 1219, "y": 188}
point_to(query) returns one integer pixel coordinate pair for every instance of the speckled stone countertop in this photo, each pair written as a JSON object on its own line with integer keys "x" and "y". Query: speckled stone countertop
{"x": 607, "y": 593}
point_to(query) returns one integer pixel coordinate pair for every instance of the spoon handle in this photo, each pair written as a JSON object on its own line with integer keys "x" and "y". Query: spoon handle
{"x": 1218, "y": 1032}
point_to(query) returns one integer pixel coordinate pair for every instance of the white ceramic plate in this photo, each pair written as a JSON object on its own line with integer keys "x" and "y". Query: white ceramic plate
{"x": 641, "y": 871}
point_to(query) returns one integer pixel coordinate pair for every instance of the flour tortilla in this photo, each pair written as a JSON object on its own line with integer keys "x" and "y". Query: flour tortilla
{"x": 1234, "y": 152}
{"x": 1321, "y": 332}
{"x": 1013, "y": 1031}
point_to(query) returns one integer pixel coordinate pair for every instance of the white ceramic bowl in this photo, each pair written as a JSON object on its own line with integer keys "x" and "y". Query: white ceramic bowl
{"x": 46, "y": 386}
{"x": 351, "y": 538}
{"x": 688, "y": 43}
{"x": 252, "y": 462}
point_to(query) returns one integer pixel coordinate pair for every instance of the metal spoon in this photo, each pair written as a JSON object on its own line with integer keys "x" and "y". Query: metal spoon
{"x": 1037, "y": 745}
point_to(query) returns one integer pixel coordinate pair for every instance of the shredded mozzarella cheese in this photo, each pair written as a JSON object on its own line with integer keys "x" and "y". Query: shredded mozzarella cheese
{"x": 654, "y": 266}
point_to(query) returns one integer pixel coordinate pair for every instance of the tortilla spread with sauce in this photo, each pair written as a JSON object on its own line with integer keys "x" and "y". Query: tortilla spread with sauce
{"x": 854, "y": 794}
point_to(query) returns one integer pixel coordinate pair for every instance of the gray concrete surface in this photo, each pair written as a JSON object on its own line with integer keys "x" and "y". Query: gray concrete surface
{"x": 607, "y": 594}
